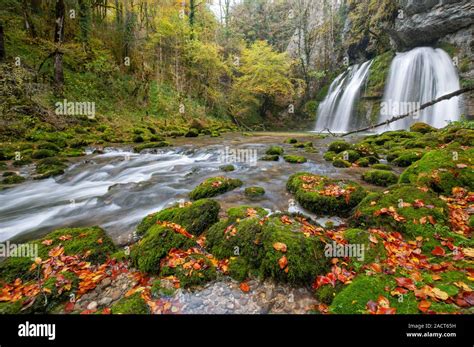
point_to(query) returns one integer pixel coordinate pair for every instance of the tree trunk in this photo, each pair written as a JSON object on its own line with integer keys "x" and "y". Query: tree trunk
{"x": 58, "y": 39}
{"x": 29, "y": 26}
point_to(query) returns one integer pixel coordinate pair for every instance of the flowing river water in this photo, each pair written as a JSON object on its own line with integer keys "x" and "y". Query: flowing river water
{"x": 116, "y": 189}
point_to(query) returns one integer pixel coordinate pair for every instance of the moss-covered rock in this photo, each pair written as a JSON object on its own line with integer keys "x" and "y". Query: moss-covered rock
{"x": 291, "y": 140}
{"x": 13, "y": 179}
{"x": 421, "y": 127}
{"x": 341, "y": 163}
{"x": 254, "y": 192}
{"x": 294, "y": 159}
{"x": 365, "y": 149}
{"x": 442, "y": 170}
{"x": 245, "y": 211}
{"x": 49, "y": 167}
{"x": 382, "y": 167}
{"x": 93, "y": 241}
{"x": 227, "y": 168}
{"x": 406, "y": 158}
{"x": 373, "y": 252}
{"x": 42, "y": 153}
{"x": 363, "y": 162}
{"x": 382, "y": 178}
{"x": 196, "y": 269}
{"x": 192, "y": 133}
{"x": 274, "y": 150}
{"x": 214, "y": 186}
{"x": 348, "y": 155}
{"x": 133, "y": 304}
{"x": 322, "y": 195}
{"x": 404, "y": 208}
{"x": 151, "y": 145}
{"x": 329, "y": 155}
{"x": 147, "y": 253}
{"x": 339, "y": 146}
{"x": 274, "y": 157}
{"x": 195, "y": 217}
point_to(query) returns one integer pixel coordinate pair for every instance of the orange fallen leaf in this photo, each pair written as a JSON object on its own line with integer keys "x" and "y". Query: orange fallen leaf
{"x": 424, "y": 305}
{"x": 280, "y": 246}
{"x": 244, "y": 287}
{"x": 283, "y": 261}
{"x": 438, "y": 251}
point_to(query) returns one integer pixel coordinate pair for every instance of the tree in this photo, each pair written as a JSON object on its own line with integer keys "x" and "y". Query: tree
{"x": 2, "y": 43}
{"x": 58, "y": 40}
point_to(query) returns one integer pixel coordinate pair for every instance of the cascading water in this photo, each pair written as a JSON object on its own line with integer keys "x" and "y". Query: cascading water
{"x": 416, "y": 77}
{"x": 337, "y": 109}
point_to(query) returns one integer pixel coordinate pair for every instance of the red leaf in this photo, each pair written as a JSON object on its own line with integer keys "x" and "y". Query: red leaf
{"x": 438, "y": 251}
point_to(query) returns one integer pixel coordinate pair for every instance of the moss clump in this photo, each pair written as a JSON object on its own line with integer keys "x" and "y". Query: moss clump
{"x": 329, "y": 155}
{"x": 322, "y": 195}
{"x": 295, "y": 159}
{"x": 373, "y": 252}
{"x": 244, "y": 211}
{"x": 42, "y": 153}
{"x": 49, "y": 167}
{"x": 341, "y": 163}
{"x": 155, "y": 245}
{"x": 365, "y": 149}
{"x": 406, "y": 158}
{"x": 380, "y": 177}
{"x": 133, "y": 304}
{"x": 274, "y": 150}
{"x": 214, "y": 186}
{"x": 93, "y": 240}
{"x": 195, "y": 218}
{"x": 305, "y": 258}
{"x": 227, "y": 168}
{"x": 158, "y": 290}
{"x": 326, "y": 293}
{"x": 270, "y": 157}
{"x": 442, "y": 170}
{"x": 48, "y": 145}
{"x": 339, "y": 146}
{"x": 382, "y": 167}
{"x": 239, "y": 268}
{"x": 254, "y": 192}
{"x": 192, "y": 133}
{"x": 348, "y": 155}
{"x": 151, "y": 145}
{"x": 421, "y": 127}
{"x": 13, "y": 179}
{"x": 196, "y": 270}
{"x": 353, "y": 298}
{"x": 362, "y": 162}
{"x": 411, "y": 203}
{"x": 462, "y": 136}
{"x": 291, "y": 140}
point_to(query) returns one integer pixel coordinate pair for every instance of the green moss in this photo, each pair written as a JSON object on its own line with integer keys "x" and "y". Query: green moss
{"x": 49, "y": 167}
{"x": 227, "y": 168}
{"x": 339, "y": 146}
{"x": 355, "y": 296}
{"x": 406, "y": 158}
{"x": 11, "y": 307}
{"x": 329, "y": 155}
{"x": 22, "y": 162}
{"x": 348, "y": 155}
{"x": 365, "y": 149}
{"x": 363, "y": 162}
{"x": 192, "y": 133}
{"x": 158, "y": 290}
{"x": 155, "y": 245}
{"x": 244, "y": 211}
{"x": 294, "y": 159}
{"x": 305, "y": 255}
{"x": 380, "y": 177}
{"x": 239, "y": 268}
{"x": 274, "y": 150}
{"x": 195, "y": 218}
{"x": 373, "y": 252}
{"x": 15, "y": 179}
{"x": 191, "y": 277}
{"x": 82, "y": 240}
{"x": 42, "y": 153}
{"x": 397, "y": 197}
{"x": 214, "y": 186}
{"x": 341, "y": 163}
{"x": 326, "y": 293}
{"x": 382, "y": 167}
{"x": 309, "y": 190}
{"x": 151, "y": 145}
{"x": 440, "y": 171}
{"x": 378, "y": 74}
{"x": 49, "y": 146}
{"x": 133, "y": 304}
{"x": 270, "y": 158}
{"x": 254, "y": 192}
{"x": 291, "y": 140}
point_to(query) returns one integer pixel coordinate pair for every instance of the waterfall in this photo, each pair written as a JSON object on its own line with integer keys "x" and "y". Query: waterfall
{"x": 336, "y": 111}
{"x": 416, "y": 77}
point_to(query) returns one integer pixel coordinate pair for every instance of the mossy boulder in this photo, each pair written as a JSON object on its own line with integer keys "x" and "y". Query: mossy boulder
{"x": 42, "y": 153}
{"x": 294, "y": 159}
{"x": 291, "y": 141}
{"x": 365, "y": 149}
{"x": 274, "y": 150}
{"x": 373, "y": 252}
{"x": 329, "y": 155}
{"x": 49, "y": 167}
{"x": 339, "y": 146}
{"x": 254, "y": 192}
{"x": 214, "y": 186}
{"x": 354, "y": 297}
{"x": 382, "y": 178}
{"x": 363, "y": 162}
{"x": 13, "y": 179}
{"x": 341, "y": 163}
{"x": 133, "y": 304}
{"x": 92, "y": 240}
{"x": 273, "y": 157}
{"x": 442, "y": 170}
{"x": 348, "y": 155}
{"x": 227, "y": 168}
{"x": 323, "y": 195}
{"x": 48, "y": 145}
{"x": 192, "y": 133}
{"x": 405, "y": 208}
{"x": 195, "y": 217}
{"x": 244, "y": 211}
{"x": 196, "y": 269}
{"x": 421, "y": 127}
{"x": 382, "y": 167}
{"x": 406, "y": 158}
{"x": 147, "y": 253}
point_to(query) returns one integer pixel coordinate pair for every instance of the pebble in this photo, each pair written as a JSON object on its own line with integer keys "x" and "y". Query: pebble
{"x": 92, "y": 305}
